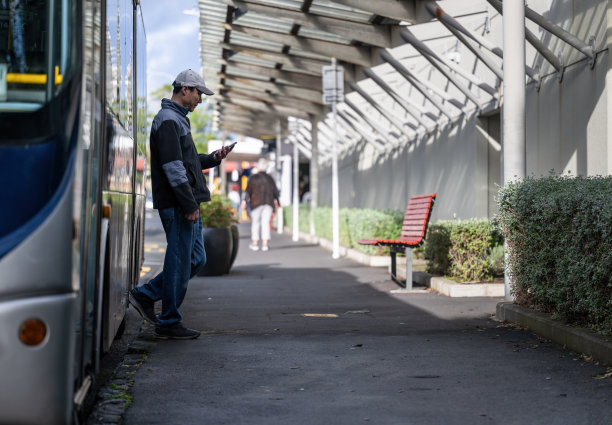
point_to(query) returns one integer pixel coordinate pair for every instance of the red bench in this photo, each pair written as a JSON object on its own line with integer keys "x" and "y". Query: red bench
{"x": 414, "y": 228}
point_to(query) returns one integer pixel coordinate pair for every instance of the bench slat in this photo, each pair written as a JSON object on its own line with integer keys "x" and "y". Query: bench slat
{"x": 414, "y": 226}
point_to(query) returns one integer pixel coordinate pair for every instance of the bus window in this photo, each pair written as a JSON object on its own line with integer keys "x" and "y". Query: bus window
{"x": 33, "y": 65}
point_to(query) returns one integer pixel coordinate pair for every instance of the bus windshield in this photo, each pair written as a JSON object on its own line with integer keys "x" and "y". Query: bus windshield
{"x": 35, "y": 52}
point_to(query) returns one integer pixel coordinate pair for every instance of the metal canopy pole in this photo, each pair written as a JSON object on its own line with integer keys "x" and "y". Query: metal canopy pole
{"x": 279, "y": 211}
{"x": 296, "y": 195}
{"x": 514, "y": 164}
{"x": 314, "y": 171}
{"x": 333, "y": 92}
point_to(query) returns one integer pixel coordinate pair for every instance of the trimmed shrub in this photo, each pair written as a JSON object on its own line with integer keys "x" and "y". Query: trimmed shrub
{"x": 463, "y": 250}
{"x": 354, "y": 224}
{"x": 559, "y": 236}
{"x": 437, "y": 247}
{"x": 471, "y": 243}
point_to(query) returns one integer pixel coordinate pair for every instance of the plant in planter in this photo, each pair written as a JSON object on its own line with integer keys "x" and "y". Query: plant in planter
{"x": 220, "y": 235}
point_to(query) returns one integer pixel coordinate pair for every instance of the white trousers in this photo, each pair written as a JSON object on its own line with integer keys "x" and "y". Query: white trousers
{"x": 260, "y": 222}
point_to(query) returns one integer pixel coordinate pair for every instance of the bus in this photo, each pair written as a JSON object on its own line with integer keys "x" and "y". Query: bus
{"x": 72, "y": 196}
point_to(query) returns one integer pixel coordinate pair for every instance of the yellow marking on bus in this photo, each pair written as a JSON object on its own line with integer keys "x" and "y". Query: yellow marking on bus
{"x": 161, "y": 250}
{"x": 319, "y": 315}
{"x": 13, "y": 77}
{"x": 146, "y": 268}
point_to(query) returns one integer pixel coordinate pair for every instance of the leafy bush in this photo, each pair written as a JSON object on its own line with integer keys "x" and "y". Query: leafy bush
{"x": 471, "y": 242}
{"x": 437, "y": 247}
{"x": 218, "y": 212}
{"x": 463, "y": 250}
{"x": 354, "y": 224}
{"x": 559, "y": 236}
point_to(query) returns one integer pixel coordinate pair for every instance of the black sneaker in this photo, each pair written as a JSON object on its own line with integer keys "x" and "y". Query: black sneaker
{"x": 143, "y": 305}
{"x": 176, "y": 331}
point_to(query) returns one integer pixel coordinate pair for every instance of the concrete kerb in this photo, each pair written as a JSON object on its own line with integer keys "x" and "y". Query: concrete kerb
{"x": 579, "y": 340}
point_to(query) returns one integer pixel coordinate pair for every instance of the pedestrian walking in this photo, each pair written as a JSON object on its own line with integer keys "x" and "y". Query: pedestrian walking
{"x": 262, "y": 196}
{"x": 179, "y": 186}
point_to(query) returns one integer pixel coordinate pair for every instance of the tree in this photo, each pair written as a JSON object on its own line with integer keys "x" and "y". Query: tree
{"x": 200, "y": 118}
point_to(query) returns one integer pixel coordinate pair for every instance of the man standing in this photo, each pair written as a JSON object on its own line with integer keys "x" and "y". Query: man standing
{"x": 262, "y": 196}
{"x": 178, "y": 188}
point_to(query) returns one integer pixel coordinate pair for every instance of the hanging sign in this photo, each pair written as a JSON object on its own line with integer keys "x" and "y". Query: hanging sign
{"x": 333, "y": 84}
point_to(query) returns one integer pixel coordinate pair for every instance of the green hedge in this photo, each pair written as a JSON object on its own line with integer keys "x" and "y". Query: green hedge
{"x": 355, "y": 224}
{"x": 464, "y": 250}
{"x": 559, "y": 237}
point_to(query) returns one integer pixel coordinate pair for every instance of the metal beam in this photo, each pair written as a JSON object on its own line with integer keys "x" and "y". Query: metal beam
{"x": 299, "y": 79}
{"x": 436, "y": 60}
{"x": 534, "y": 41}
{"x": 278, "y": 110}
{"x": 309, "y": 107}
{"x": 430, "y": 57}
{"x": 401, "y": 10}
{"x": 289, "y": 59}
{"x": 370, "y": 122}
{"x": 276, "y": 88}
{"x": 453, "y": 25}
{"x": 351, "y": 54}
{"x": 375, "y": 35}
{"x": 378, "y": 107}
{"x": 401, "y": 101}
{"x": 497, "y": 70}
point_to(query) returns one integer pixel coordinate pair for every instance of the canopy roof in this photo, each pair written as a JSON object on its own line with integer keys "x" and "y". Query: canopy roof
{"x": 409, "y": 66}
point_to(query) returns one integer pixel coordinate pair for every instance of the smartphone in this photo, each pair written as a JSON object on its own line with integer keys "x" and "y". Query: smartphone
{"x": 231, "y": 145}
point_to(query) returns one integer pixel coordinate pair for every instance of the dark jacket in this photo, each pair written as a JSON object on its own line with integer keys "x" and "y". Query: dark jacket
{"x": 261, "y": 190}
{"x": 176, "y": 166}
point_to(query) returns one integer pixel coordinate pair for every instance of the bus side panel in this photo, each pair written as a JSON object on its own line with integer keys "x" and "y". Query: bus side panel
{"x": 41, "y": 263}
{"x": 118, "y": 280}
{"x": 42, "y": 375}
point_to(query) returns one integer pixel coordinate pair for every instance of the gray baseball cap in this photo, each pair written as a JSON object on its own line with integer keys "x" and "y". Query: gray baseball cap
{"x": 190, "y": 78}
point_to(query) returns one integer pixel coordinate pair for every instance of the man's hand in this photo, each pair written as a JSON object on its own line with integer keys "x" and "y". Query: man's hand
{"x": 219, "y": 154}
{"x": 193, "y": 216}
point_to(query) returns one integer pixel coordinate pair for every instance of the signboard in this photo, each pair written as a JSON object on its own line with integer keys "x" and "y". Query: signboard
{"x": 333, "y": 84}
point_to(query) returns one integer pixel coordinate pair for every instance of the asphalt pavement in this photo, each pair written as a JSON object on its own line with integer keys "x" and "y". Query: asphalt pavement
{"x": 292, "y": 336}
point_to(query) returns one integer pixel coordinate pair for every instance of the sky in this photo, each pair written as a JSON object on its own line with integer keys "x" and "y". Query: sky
{"x": 173, "y": 42}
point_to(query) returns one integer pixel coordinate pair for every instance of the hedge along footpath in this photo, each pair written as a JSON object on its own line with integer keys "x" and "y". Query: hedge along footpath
{"x": 464, "y": 250}
{"x": 355, "y": 224}
{"x": 558, "y": 231}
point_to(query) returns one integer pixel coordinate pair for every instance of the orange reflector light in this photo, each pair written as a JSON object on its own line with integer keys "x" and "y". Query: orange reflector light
{"x": 32, "y": 332}
{"x": 106, "y": 211}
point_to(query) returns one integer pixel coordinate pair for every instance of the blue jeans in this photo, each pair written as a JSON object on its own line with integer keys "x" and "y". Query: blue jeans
{"x": 185, "y": 256}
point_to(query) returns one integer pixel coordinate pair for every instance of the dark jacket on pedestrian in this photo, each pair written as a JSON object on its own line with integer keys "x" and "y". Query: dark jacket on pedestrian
{"x": 261, "y": 190}
{"x": 176, "y": 166}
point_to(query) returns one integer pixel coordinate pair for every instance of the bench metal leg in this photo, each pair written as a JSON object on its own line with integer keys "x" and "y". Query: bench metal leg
{"x": 403, "y": 283}
{"x": 409, "y": 268}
